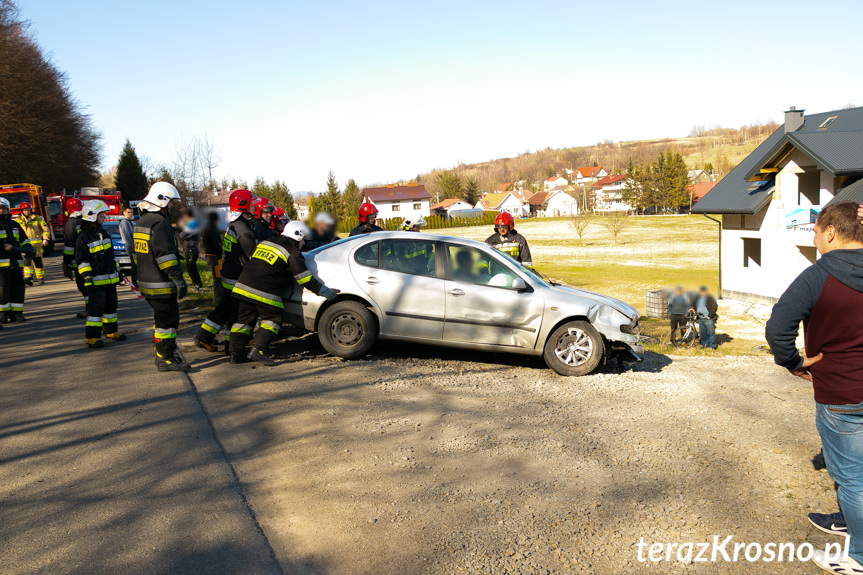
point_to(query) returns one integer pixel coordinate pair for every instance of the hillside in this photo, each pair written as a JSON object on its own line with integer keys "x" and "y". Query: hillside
{"x": 724, "y": 148}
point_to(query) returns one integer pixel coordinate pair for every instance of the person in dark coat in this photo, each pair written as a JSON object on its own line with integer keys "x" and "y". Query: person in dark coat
{"x": 323, "y": 232}
{"x": 705, "y": 307}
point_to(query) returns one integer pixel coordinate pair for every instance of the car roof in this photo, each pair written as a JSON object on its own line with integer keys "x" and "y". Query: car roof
{"x": 416, "y": 236}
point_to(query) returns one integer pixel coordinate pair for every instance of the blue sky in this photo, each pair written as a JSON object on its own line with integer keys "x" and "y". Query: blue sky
{"x": 381, "y": 91}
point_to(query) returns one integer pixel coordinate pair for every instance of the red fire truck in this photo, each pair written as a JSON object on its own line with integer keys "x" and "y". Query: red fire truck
{"x": 31, "y": 193}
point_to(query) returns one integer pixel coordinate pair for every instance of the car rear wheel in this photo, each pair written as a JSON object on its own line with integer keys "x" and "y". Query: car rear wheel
{"x": 347, "y": 329}
{"x": 575, "y": 348}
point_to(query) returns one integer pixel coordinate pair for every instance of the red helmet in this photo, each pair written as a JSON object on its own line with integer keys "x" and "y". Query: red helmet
{"x": 366, "y": 210}
{"x": 259, "y": 205}
{"x": 25, "y": 206}
{"x": 504, "y": 219}
{"x": 278, "y": 214}
{"x": 74, "y": 205}
{"x": 240, "y": 201}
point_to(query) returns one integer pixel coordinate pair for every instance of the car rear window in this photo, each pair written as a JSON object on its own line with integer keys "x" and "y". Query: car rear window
{"x": 414, "y": 257}
{"x": 368, "y": 255}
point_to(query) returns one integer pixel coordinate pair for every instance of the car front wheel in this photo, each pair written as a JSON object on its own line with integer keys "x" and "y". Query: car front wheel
{"x": 575, "y": 348}
{"x": 347, "y": 329}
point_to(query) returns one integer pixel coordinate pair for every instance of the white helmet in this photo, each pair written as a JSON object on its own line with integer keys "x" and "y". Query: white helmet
{"x": 93, "y": 208}
{"x": 4, "y": 203}
{"x": 296, "y": 230}
{"x": 324, "y": 218}
{"x": 159, "y": 196}
{"x": 413, "y": 220}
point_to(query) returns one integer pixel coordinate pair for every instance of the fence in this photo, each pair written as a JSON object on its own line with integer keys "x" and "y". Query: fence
{"x": 432, "y": 222}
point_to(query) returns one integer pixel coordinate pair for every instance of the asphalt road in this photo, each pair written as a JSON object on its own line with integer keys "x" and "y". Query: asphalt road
{"x": 106, "y": 465}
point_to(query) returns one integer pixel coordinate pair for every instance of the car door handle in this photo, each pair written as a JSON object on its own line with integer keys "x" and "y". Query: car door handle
{"x": 372, "y": 280}
{"x": 456, "y": 291}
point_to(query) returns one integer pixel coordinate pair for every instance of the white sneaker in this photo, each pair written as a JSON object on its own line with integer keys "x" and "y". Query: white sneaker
{"x": 841, "y": 565}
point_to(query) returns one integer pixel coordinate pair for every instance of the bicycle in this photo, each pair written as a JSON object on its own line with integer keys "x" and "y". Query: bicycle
{"x": 686, "y": 335}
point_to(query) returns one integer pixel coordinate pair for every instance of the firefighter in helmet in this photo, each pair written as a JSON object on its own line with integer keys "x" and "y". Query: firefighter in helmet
{"x": 70, "y": 237}
{"x": 413, "y": 223}
{"x": 94, "y": 257}
{"x": 12, "y": 247}
{"x": 237, "y": 247}
{"x": 509, "y": 241}
{"x": 262, "y": 210}
{"x": 279, "y": 220}
{"x": 368, "y": 216}
{"x": 160, "y": 276}
{"x": 415, "y": 255}
{"x": 275, "y": 265}
{"x": 38, "y": 237}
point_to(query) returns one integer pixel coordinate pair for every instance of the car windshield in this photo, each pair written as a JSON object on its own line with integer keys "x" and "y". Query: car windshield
{"x": 16, "y": 198}
{"x": 113, "y": 229}
{"x": 535, "y": 277}
{"x": 54, "y": 209}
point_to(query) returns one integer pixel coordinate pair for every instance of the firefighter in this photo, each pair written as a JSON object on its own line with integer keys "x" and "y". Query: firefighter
{"x": 38, "y": 237}
{"x": 211, "y": 247}
{"x": 70, "y": 236}
{"x": 239, "y": 244}
{"x": 94, "y": 257}
{"x": 323, "y": 232}
{"x": 509, "y": 241}
{"x": 368, "y": 216}
{"x": 160, "y": 276}
{"x": 275, "y": 265}
{"x": 413, "y": 223}
{"x": 12, "y": 247}
{"x": 414, "y": 255}
{"x": 262, "y": 210}
{"x": 279, "y": 221}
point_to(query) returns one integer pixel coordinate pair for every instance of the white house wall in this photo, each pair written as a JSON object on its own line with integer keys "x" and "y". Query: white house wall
{"x": 406, "y": 207}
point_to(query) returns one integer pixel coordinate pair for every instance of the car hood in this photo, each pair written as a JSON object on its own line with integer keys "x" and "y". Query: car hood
{"x": 620, "y": 306}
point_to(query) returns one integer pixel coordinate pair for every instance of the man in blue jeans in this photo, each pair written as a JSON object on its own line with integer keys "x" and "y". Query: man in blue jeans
{"x": 705, "y": 306}
{"x": 827, "y": 298}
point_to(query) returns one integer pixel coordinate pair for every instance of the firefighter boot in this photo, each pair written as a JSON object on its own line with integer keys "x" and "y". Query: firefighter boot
{"x": 211, "y": 347}
{"x": 237, "y": 347}
{"x": 116, "y": 336}
{"x": 94, "y": 342}
{"x": 167, "y": 356}
{"x": 261, "y": 356}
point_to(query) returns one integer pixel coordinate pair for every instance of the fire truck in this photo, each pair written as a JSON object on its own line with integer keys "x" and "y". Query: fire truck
{"x": 17, "y": 194}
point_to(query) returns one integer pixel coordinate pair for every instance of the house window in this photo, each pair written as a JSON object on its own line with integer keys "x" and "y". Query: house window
{"x": 396, "y": 207}
{"x": 809, "y": 189}
{"x": 752, "y": 252}
{"x": 418, "y": 206}
{"x": 827, "y": 122}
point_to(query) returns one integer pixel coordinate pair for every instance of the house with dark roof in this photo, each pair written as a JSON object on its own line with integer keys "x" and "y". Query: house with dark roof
{"x": 768, "y": 203}
{"x": 399, "y": 201}
{"x": 608, "y": 194}
{"x": 552, "y": 204}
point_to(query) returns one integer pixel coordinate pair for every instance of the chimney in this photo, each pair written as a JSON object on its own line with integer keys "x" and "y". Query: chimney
{"x": 793, "y": 119}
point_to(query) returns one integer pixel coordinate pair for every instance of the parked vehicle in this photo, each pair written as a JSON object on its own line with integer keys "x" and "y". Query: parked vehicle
{"x": 448, "y": 291}
{"x": 57, "y": 211}
{"x": 31, "y": 193}
{"x": 120, "y": 256}
{"x": 113, "y": 198}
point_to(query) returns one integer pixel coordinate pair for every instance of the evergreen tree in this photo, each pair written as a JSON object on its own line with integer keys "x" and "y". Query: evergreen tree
{"x": 449, "y": 184}
{"x": 130, "y": 178}
{"x": 353, "y": 198}
{"x": 471, "y": 191}
{"x": 313, "y": 207}
{"x": 281, "y": 197}
{"x": 331, "y": 200}
{"x": 260, "y": 188}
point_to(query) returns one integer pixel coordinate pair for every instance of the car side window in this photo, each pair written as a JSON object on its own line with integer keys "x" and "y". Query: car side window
{"x": 471, "y": 265}
{"x": 368, "y": 255}
{"x": 416, "y": 257}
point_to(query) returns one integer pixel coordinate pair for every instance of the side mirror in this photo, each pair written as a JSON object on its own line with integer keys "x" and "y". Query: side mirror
{"x": 519, "y": 284}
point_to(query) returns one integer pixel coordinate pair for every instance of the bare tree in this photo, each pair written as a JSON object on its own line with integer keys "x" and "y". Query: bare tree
{"x": 579, "y": 224}
{"x": 614, "y": 222}
{"x": 210, "y": 158}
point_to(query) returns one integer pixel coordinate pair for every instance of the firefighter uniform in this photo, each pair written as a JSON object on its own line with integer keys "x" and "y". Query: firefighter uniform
{"x": 11, "y": 278}
{"x": 94, "y": 257}
{"x": 513, "y": 244}
{"x": 160, "y": 281}
{"x": 363, "y": 228}
{"x": 37, "y": 231}
{"x": 274, "y": 266}
{"x": 237, "y": 248}
{"x": 70, "y": 237}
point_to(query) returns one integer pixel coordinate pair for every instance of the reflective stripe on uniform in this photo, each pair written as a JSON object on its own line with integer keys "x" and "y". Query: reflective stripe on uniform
{"x": 167, "y": 261}
{"x": 5, "y": 263}
{"x": 93, "y": 321}
{"x": 211, "y": 326}
{"x": 109, "y": 318}
{"x": 106, "y": 279}
{"x": 84, "y": 267}
{"x": 228, "y": 284}
{"x": 100, "y": 245}
{"x": 304, "y": 277}
{"x": 5, "y": 306}
{"x": 68, "y": 251}
{"x": 241, "y": 328}
{"x": 164, "y": 333}
{"x": 156, "y": 288}
{"x": 270, "y": 252}
{"x": 270, "y": 326}
{"x": 258, "y": 295}
{"x": 16, "y": 306}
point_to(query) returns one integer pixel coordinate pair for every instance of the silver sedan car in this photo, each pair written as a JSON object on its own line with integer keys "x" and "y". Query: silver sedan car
{"x": 443, "y": 290}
